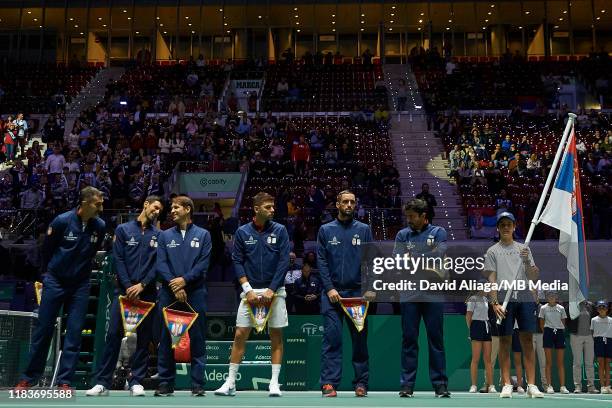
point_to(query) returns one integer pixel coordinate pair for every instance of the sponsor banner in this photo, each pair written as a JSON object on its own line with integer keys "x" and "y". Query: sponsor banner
{"x": 133, "y": 312}
{"x": 206, "y": 185}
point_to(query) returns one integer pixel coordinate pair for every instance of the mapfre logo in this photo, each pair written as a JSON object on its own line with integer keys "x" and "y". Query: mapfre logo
{"x": 311, "y": 329}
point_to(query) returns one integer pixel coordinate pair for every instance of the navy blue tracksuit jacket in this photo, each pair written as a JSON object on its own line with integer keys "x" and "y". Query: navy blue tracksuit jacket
{"x": 429, "y": 242}
{"x": 188, "y": 258}
{"x": 339, "y": 255}
{"x": 262, "y": 256}
{"x": 134, "y": 253}
{"x": 68, "y": 251}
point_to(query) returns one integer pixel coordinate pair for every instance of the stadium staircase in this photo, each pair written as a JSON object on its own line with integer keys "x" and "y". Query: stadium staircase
{"x": 92, "y": 94}
{"x": 420, "y": 158}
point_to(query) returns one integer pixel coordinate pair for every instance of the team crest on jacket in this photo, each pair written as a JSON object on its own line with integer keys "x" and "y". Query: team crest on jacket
{"x": 250, "y": 241}
{"x": 94, "y": 237}
{"x": 195, "y": 243}
{"x": 271, "y": 239}
{"x": 356, "y": 240}
{"x": 430, "y": 240}
{"x": 153, "y": 242}
{"x": 70, "y": 237}
{"x": 132, "y": 242}
{"x": 410, "y": 246}
{"x": 335, "y": 241}
{"x": 172, "y": 244}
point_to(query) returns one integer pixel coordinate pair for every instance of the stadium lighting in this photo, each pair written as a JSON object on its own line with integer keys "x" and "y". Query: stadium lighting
{"x": 124, "y": 10}
{"x": 448, "y": 28}
{"x": 71, "y": 19}
{"x": 361, "y": 29}
{"x": 560, "y": 18}
{"x": 186, "y": 17}
{"x": 603, "y": 11}
{"x": 259, "y": 17}
{"x": 100, "y": 18}
{"x": 422, "y": 14}
{"x": 420, "y": 20}
{"x": 29, "y": 12}
{"x": 489, "y": 13}
{"x": 137, "y": 32}
{"x": 189, "y": 24}
{"x": 527, "y": 12}
{"x": 35, "y": 19}
{"x": 492, "y": 5}
{"x": 295, "y": 9}
{"x": 391, "y": 21}
{"x": 76, "y": 26}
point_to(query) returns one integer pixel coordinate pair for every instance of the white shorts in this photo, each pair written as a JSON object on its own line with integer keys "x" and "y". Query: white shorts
{"x": 278, "y": 314}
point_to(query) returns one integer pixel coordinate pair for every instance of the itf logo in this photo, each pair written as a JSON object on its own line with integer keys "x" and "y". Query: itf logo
{"x": 311, "y": 329}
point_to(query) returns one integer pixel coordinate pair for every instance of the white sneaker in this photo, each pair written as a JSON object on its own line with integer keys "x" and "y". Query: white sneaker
{"x": 533, "y": 391}
{"x": 520, "y": 390}
{"x": 274, "y": 390}
{"x": 226, "y": 390}
{"x": 137, "y": 390}
{"x": 473, "y": 389}
{"x": 506, "y": 391}
{"x": 577, "y": 389}
{"x": 605, "y": 390}
{"x": 492, "y": 389}
{"x": 550, "y": 390}
{"x": 97, "y": 391}
{"x": 564, "y": 390}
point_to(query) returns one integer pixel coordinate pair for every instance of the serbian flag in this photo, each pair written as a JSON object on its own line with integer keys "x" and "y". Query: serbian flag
{"x": 564, "y": 212}
{"x": 133, "y": 313}
{"x": 357, "y": 310}
{"x": 178, "y": 322}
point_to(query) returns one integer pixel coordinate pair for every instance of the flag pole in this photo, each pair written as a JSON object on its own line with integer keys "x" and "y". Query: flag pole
{"x": 535, "y": 220}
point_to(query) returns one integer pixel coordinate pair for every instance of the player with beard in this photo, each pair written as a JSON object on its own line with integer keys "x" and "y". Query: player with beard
{"x": 72, "y": 240}
{"x": 135, "y": 253}
{"x": 339, "y": 252}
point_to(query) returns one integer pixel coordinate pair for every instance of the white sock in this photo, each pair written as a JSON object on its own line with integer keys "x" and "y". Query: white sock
{"x": 233, "y": 371}
{"x": 275, "y": 372}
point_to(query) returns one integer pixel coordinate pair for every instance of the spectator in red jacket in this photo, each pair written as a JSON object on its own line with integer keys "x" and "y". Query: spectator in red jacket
{"x": 300, "y": 155}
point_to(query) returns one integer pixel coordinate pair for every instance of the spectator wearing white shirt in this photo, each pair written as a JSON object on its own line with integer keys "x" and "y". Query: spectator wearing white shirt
{"x": 294, "y": 272}
{"x": 601, "y": 326}
{"x": 56, "y": 161}
{"x": 552, "y": 321}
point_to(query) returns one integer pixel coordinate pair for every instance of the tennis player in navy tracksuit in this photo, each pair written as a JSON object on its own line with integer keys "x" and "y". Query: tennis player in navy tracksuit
{"x": 183, "y": 255}
{"x": 339, "y": 260}
{"x": 134, "y": 253}
{"x": 72, "y": 241}
{"x": 261, "y": 259}
{"x": 422, "y": 238}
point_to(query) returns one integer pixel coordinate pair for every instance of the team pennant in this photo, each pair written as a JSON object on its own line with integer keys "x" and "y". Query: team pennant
{"x": 357, "y": 310}
{"x": 260, "y": 313}
{"x": 133, "y": 313}
{"x": 38, "y": 290}
{"x": 178, "y": 322}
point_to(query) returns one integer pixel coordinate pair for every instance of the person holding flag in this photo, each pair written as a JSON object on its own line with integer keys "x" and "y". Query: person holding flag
{"x": 502, "y": 260}
{"x": 261, "y": 259}
{"x": 72, "y": 240}
{"x": 134, "y": 253}
{"x": 339, "y": 253}
{"x": 422, "y": 239}
{"x": 183, "y": 256}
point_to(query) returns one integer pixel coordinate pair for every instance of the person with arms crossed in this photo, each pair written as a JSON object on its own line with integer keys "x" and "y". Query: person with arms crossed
{"x": 339, "y": 255}
{"x": 183, "y": 256}
{"x": 135, "y": 253}
{"x": 261, "y": 259}
{"x": 421, "y": 238}
{"x": 72, "y": 240}
{"x": 502, "y": 261}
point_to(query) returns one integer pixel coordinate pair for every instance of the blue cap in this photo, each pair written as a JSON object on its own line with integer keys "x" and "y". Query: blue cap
{"x": 602, "y": 303}
{"x": 506, "y": 214}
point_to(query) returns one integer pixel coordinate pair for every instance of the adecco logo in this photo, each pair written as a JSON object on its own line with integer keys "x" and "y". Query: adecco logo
{"x": 212, "y": 182}
{"x": 312, "y": 329}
